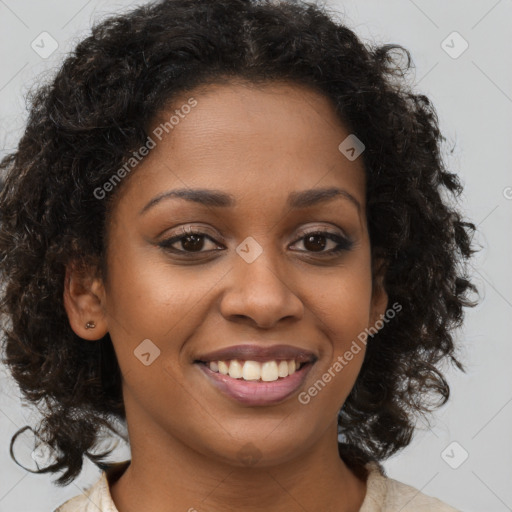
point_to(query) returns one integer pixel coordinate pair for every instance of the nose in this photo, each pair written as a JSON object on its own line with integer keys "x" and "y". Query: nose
{"x": 261, "y": 292}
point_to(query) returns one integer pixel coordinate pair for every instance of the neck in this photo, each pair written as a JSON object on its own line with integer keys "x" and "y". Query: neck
{"x": 168, "y": 475}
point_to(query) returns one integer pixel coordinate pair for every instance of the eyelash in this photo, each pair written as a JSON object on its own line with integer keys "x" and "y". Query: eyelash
{"x": 344, "y": 244}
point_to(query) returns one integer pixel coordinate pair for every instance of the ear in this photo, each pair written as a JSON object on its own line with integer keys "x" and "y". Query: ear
{"x": 379, "y": 301}
{"x": 84, "y": 300}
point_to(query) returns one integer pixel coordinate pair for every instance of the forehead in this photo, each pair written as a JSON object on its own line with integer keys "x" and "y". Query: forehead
{"x": 249, "y": 140}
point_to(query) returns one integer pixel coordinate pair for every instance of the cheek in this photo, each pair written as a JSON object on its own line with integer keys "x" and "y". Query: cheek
{"x": 151, "y": 299}
{"x": 342, "y": 313}
{"x": 344, "y": 322}
{"x": 342, "y": 306}
{"x": 153, "y": 310}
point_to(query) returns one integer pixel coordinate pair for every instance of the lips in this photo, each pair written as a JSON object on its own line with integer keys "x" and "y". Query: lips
{"x": 254, "y": 352}
{"x": 257, "y": 392}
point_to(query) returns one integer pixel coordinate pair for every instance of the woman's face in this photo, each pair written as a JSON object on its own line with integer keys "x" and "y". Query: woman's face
{"x": 252, "y": 278}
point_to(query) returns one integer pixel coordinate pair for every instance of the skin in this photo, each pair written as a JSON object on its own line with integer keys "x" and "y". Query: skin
{"x": 258, "y": 144}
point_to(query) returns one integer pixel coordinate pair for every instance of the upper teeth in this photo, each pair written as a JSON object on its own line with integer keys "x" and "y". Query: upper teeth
{"x": 253, "y": 370}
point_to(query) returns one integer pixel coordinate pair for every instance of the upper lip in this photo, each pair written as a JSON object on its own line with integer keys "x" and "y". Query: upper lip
{"x": 253, "y": 352}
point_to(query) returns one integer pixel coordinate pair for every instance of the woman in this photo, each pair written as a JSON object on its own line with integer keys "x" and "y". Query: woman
{"x": 228, "y": 225}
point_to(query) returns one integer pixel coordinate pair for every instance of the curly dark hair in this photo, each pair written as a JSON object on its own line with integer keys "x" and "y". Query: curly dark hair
{"x": 97, "y": 110}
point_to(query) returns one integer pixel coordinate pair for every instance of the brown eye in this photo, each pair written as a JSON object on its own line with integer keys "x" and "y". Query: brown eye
{"x": 317, "y": 241}
{"x": 191, "y": 241}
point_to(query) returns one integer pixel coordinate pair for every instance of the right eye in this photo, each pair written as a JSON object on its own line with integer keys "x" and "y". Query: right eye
{"x": 192, "y": 241}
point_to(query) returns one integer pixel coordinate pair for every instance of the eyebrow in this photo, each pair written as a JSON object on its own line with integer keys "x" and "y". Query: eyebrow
{"x": 218, "y": 198}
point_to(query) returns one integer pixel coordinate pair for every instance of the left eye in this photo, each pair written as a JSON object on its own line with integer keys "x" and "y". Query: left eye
{"x": 312, "y": 239}
{"x": 193, "y": 242}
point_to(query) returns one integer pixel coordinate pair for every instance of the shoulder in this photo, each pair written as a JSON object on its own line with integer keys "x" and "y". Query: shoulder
{"x": 388, "y": 495}
{"x": 92, "y": 499}
{"x": 97, "y": 496}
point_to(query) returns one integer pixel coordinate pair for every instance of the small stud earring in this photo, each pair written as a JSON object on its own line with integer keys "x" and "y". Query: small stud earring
{"x": 90, "y": 325}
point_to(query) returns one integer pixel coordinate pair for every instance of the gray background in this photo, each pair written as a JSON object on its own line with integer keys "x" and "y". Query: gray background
{"x": 473, "y": 96}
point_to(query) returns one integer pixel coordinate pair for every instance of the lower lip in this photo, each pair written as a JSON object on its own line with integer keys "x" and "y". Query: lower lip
{"x": 257, "y": 392}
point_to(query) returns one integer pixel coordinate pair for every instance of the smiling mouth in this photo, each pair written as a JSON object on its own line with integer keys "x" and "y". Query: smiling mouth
{"x": 255, "y": 371}
{"x": 253, "y": 383}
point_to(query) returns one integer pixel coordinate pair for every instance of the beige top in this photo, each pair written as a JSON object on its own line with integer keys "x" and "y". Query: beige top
{"x": 383, "y": 494}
